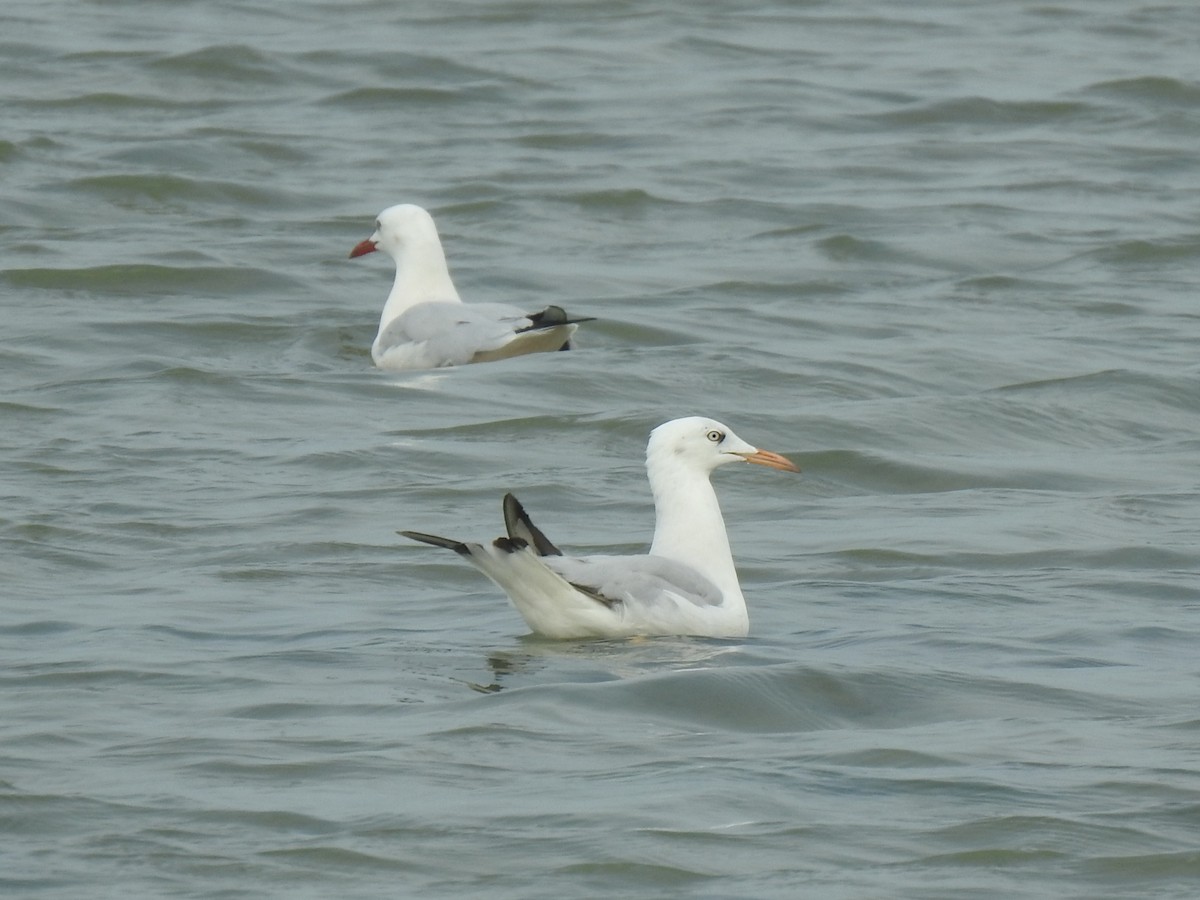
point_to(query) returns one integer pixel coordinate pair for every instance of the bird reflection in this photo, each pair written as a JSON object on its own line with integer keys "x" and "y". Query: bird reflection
{"x": 603, "y": 660}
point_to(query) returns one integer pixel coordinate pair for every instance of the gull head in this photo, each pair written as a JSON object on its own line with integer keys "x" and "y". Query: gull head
{"x": 704, "y": 444}
{"x": 396, "y": 228}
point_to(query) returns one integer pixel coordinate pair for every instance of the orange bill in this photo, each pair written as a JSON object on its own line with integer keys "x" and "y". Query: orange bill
{"x": 771, "y": 460}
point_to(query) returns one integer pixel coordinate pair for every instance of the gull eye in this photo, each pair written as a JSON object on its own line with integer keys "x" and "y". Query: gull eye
{"x": 716, "y": 436}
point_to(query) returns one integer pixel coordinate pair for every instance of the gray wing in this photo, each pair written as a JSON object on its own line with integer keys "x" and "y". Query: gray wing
{"x": 636, "y": 580}
{"x": 454, "y": 332}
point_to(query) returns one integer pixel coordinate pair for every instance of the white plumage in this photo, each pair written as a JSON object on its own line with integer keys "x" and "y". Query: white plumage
{"x": 425, "y": 324}
{"x": 687, "y": 583}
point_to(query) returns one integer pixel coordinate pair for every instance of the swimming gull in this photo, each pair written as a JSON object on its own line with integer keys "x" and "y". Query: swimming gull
{"x": 687, "y": 583}
{"x": 425, "y": 324}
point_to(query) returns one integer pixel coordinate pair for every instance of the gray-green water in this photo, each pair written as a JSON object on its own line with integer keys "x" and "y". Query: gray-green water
{"x": 944, "y": 255}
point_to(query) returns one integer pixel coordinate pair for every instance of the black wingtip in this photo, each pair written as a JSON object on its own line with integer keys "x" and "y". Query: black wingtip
{"x": 610, "y": 602}
{"x": 552, "y": 317}
{"x": 510, "y": 544}
{"x": 518, "y": 525}
{"x": 457, "y": 546}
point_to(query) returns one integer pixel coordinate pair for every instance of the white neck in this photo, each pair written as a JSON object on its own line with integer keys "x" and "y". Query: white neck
{"x": 421, "y": 275}
{"x": 689, "y": 528}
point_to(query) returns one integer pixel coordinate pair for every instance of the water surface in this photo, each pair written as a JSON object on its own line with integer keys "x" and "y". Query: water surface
{"x": 942, "y": 255}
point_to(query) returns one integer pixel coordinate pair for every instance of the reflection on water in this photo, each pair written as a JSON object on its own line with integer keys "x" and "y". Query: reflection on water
{"x": 603, "y": 659}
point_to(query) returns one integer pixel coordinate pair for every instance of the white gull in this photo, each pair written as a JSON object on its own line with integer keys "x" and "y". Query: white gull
{"x": 687, "y": 584}
{"x": 425, "y": 324}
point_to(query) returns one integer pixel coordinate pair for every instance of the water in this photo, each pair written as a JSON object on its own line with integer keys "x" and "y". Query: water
{"x": 941, "y": 254}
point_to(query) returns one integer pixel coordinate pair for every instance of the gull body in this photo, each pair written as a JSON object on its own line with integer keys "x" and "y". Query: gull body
{"x": 425, "y": 324}
{"x": 686, "y": 584}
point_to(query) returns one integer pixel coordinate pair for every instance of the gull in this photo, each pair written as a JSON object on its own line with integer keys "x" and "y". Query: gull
{"x": 686, "y": 585}
{"x": 425, "y": 324}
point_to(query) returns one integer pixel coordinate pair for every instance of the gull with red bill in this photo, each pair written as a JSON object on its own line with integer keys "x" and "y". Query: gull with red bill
{"x": 686, "y": 584}
{"x": 425, "y": 324}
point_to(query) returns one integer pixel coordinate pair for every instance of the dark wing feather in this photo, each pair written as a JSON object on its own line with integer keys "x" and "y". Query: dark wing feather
{"x": 519, "y": 525}
{"x": 449, "y": 543}
{"x": 551, "y": 317}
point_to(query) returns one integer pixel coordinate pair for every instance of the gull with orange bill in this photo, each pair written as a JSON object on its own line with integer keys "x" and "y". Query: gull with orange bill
{"x": 685, "y": 585}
